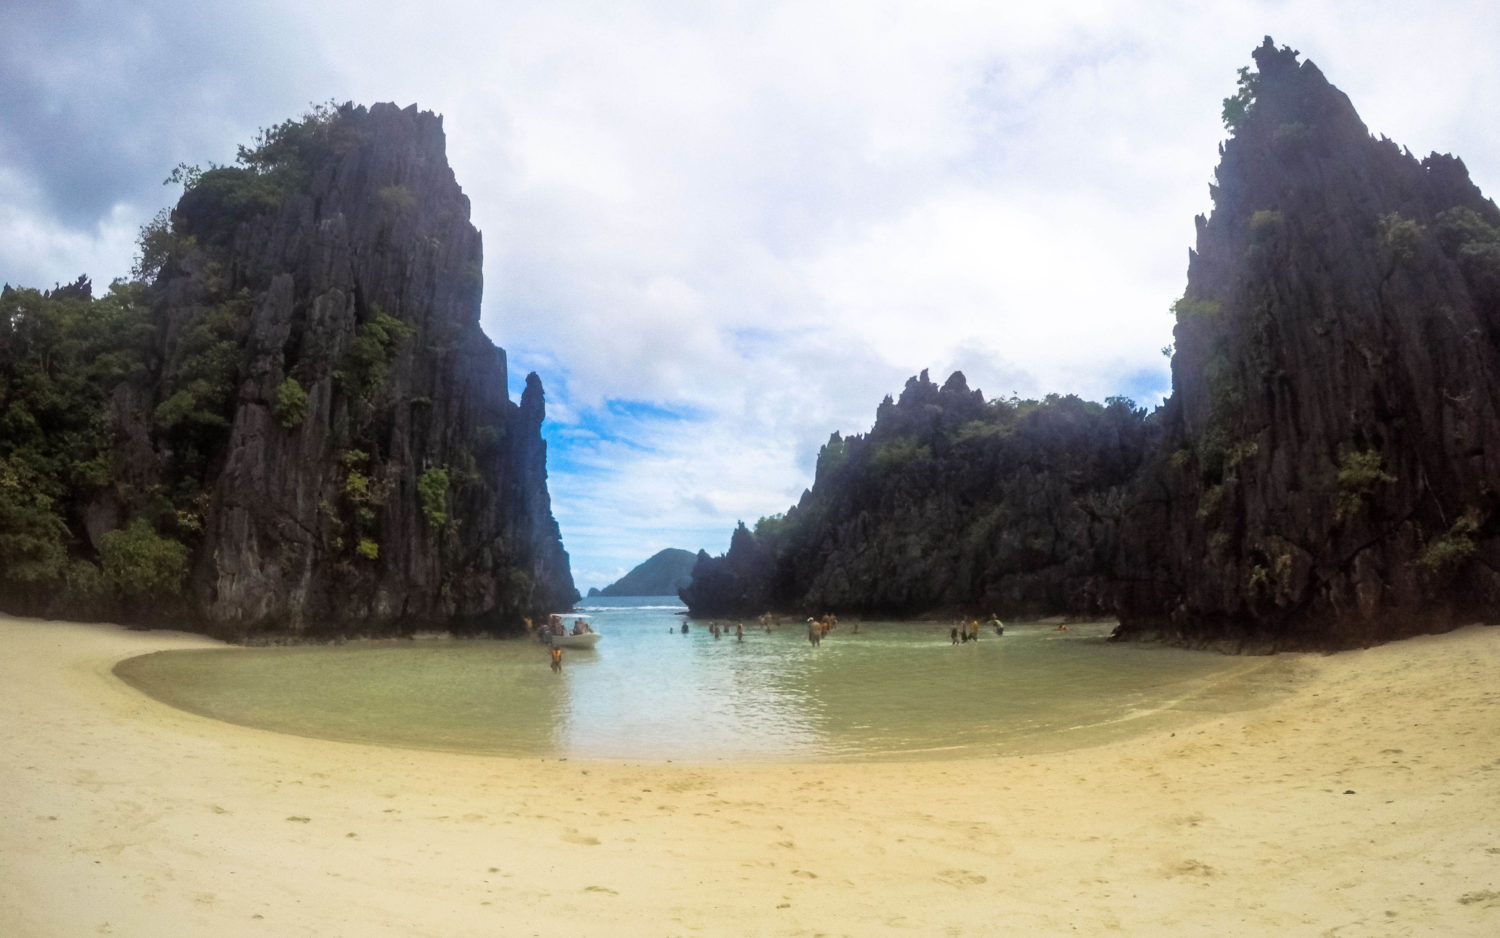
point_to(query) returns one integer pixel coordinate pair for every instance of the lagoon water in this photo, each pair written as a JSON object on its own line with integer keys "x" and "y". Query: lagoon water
{"x": 896, "y": 690}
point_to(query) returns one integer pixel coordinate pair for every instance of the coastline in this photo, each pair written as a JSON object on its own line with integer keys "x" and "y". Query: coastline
{"x": 1366, "y": 798}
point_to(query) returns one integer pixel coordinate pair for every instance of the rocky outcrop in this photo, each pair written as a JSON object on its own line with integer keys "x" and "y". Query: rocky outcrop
{"x": 322, "y": 422}
{"x": 1332, "y": 443}
{"x": 1323, "y": 475}
{"x": 950, "y": 502}
{"x": 326, "y": 520}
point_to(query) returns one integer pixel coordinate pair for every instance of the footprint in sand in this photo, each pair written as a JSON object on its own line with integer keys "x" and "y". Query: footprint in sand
{"x": 1485, "y": 898}
{"x": 604, "y": 889}
{"x": 1192, "y": 868}
{"x": 574, "y": 837}
{"x": 960, "y": 878}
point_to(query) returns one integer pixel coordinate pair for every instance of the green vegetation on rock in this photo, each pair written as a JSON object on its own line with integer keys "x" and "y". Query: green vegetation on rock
{"x": 432, "y": 490}
{"x": 141, "y": 563}
{"x": 289, "y": 406}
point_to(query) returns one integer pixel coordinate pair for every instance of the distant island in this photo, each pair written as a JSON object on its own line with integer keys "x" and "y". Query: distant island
{"x": 663, "y": 574}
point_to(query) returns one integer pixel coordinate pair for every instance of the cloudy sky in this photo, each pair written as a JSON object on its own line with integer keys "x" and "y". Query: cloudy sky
{"x": 721, "y": 231}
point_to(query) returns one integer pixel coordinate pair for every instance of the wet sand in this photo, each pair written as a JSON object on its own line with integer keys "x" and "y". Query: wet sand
{"x": 1362, "y": 800}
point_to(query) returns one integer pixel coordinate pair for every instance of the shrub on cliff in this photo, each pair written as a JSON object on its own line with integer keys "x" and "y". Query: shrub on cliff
{"x": 289, "y": 406}
{"x": 141, "y": 564}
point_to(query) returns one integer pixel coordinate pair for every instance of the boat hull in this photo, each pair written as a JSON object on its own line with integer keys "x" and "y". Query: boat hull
{"x": 587, "y": 640}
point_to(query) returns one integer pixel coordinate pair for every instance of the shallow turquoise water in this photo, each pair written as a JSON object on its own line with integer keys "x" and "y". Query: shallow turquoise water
{"x": 895, "y": 690}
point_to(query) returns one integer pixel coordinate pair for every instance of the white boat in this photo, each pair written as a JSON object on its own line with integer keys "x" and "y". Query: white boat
{"x": 586, "y": 640}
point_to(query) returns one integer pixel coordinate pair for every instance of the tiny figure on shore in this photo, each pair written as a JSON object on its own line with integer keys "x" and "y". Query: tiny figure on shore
{"x": 953, "y": 634}
{"x": 684, "y": 628}
{"x": 1062, "y": 628}
{"x": 974, "y": 630}
{"x": 999, "y": 626}
{"x": 556, "y": 659}
{"x": 739, "y": 631}
{"x": 814, "y": 632}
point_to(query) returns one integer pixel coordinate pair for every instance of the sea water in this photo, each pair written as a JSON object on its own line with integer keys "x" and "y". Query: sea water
{"x": 893, "y": 690}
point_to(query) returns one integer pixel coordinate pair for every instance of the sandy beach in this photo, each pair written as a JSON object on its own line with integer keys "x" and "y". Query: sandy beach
{"x": 1362, "y": 800}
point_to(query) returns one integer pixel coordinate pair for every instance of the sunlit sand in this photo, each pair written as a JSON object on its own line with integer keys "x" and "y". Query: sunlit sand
{"x": 1362, "y": 800}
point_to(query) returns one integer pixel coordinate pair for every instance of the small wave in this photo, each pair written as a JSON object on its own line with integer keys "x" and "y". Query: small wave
{"x": 627, "y": 608}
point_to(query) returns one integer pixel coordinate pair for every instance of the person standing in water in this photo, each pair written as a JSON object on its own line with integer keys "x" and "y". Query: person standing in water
{"x": 556, "y": 659}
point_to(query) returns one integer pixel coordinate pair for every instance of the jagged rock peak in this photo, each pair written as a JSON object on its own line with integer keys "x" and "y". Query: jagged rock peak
{"x": 413, "y": 490}
{"x": 1334, "y": 386}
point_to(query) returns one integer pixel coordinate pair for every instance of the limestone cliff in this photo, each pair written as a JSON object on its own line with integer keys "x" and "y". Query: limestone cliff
{"x": 1325, "y": 474}
{"x": 950, "y": 502}
{"x": 320, "y": 420}
{"x": 1332, "y": 442}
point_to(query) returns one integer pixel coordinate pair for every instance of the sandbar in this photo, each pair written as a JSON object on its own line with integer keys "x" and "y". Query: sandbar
{"x": 1364, "y": 799}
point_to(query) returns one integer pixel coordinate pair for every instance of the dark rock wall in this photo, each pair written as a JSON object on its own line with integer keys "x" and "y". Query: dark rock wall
{"x": 950, "y": 502}
{"x": 380, "y": 229}
{"x": 1335, "y": 419}
{"x": 1325, "y": 473}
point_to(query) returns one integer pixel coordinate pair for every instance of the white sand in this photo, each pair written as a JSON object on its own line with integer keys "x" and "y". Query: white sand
{"x": 120, "y": 816}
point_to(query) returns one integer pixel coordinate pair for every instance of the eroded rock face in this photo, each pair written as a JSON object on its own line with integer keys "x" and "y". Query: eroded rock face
{"x": 407, "y": 490}
{"x": 1333, "y": 437}
{"x": 1325, "y": 473}
{"x": 951, "y": 502}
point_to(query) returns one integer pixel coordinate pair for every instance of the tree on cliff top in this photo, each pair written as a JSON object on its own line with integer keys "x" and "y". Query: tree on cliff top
{"x": 1267, "y": 59}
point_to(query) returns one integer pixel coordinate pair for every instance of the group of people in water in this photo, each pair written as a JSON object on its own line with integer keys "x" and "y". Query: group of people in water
{"x": 969, "y": 631}
{"x": 818, "y": 627}
{"x": 719, "y": 631}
